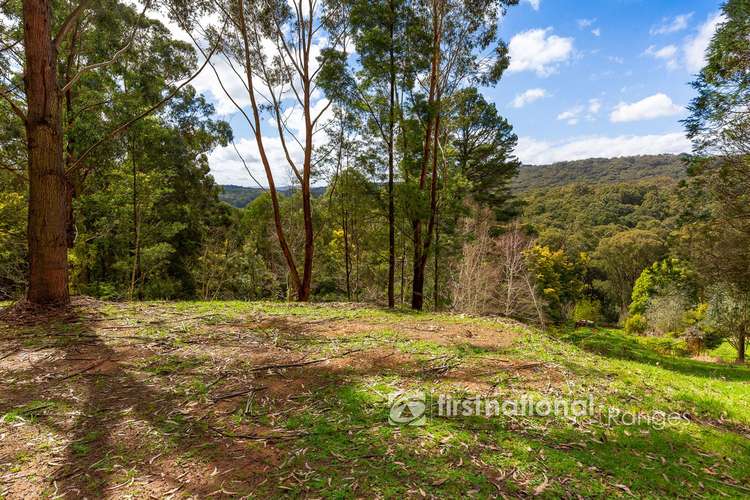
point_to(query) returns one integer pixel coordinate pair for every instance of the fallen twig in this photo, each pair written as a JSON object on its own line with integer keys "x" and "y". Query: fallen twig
{"x": 303, "y": 363}
{"x": 234, "y": 394}
{"x": 90, "y": 367}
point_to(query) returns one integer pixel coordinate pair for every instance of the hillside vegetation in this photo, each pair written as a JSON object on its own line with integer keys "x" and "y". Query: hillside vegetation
{"x": 600, "y": 170}
{"x": 265, "y": 399}
{"x": 591, "y": 170}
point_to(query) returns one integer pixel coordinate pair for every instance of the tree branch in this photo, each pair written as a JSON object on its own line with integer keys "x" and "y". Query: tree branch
{"x": 150, "y": 110}
{"x": 67, "y": 25}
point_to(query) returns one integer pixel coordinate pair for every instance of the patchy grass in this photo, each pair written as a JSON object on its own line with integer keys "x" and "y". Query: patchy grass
{"x": 235, "y": 399}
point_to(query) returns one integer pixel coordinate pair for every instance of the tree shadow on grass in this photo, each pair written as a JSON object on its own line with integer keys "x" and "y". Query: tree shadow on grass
{"x": 619, "y": 346}
{"x": 123, "y": 434}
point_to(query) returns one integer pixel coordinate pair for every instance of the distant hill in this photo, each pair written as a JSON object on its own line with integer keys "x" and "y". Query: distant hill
{"x": 599, "y": 170}
{"x": 241, "y": 196}
{"x": 530, "y": 177}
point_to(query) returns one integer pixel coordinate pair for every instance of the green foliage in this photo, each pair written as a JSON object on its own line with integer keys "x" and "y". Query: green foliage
{"x": 636, "y": 324}
{"x": 588, "y": 310}
{"x": 623, "y": 257}
{"x": 728, "y": 314}
{"x": 628, "y": 169}
{"x": 558, "y": 279}
{"x": 665, "y": 275}
{"x": 484, "y": 143}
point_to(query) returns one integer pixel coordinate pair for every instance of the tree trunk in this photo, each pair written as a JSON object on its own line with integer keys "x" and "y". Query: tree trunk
{"x": 286, "y": 251}
{"x": 741, "y": 348}
{"x": 136, "y": 270}
{"x": 391, "y": 205}
{"x": 48, "y": 191}
{"x": 420, "y": 253}
{"x": 436, "y": 293}
{"x": 347, "y": 257}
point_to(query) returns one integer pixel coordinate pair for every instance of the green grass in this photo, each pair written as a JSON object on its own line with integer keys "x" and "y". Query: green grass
{"x": 344, "y": 446}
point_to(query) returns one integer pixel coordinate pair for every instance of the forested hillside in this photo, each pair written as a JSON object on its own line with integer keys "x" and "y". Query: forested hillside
{"x": 591, "y": 170}
{"x": 597, "y": 170}
{"x": 402, "y": 310}
{"x": 241, "y": 196}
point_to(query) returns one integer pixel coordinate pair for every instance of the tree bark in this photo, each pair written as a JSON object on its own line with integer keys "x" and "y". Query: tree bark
{"x": 48, "y": 190}
{"x": 347, "y": 257}
{"x": 286, "y": 251}
{"x": 391, "y": 205}
{"x": 420, "y": 252}
{"x": 741, "y": 347}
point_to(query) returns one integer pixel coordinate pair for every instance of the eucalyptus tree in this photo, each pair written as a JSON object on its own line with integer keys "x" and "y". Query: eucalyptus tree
{"x": 463, "y": 48}
{"x": 718, "y": 236}
{"x": 51, "y": 56}
{"x": 385, "y": 38}
{"x": 279, "y": 50}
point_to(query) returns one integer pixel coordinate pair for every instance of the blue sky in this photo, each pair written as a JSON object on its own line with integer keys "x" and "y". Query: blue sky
{"x": 601, "y": 78}
{"x": 588, "y": 78}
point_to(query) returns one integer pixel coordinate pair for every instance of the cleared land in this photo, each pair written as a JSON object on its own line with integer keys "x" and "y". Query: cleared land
{"x": 265, "y": 400}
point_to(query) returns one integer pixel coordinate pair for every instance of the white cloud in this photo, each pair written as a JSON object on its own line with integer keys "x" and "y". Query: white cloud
{"x": 695, "y": 47}
{"x": 535, "y": 50}
{"x": 655, "y": 106}
{"x": 594, "y": 106}
{"x": 596, "y": 32}
{"x": 534, "y": 4}
{"x": 585, "y": 23}
{"x": 538, "y": 152}
{"x": 616, "y": 59}
{"x": 667, "y": 52}
{"x": 528, "y": 97}
{"x": 671, "y": 25}
{"x": 574, "y": 115}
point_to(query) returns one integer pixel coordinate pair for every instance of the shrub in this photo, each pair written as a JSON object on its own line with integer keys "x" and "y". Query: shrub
{"x": 588, "y": 310}
{"x": 636, "y": 324}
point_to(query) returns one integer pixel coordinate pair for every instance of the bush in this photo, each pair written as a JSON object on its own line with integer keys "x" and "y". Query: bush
{"x": 588, "y": 310}
{"x": 636, "y": 324}
{"x": 701, "y": 339}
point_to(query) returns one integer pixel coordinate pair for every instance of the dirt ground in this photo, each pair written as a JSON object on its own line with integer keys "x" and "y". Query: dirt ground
{"x": 115, "y": 400}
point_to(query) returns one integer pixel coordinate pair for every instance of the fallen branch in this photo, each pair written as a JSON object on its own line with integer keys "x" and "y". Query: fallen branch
{"x": 234, "y": 394}
{"x": 303, "y": 363}
{"x": 90, "y": 367}
{"x": 258, "y": 437}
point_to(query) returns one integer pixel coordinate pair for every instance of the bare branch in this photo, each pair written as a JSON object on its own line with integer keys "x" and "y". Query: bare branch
{"x": 16, "y": 108}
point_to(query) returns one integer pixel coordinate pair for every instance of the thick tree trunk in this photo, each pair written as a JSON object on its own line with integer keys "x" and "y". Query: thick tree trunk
{"x": 48, "y": 190}
{"x": 741, "y": 348}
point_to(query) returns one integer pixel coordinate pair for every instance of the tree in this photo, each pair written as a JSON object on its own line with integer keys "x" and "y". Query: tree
{"x": 484, "y": 143}
{"x": 381, "y": 31}
{"x": 459, "y": 31}
{"x": 716, "y": 237}
{"x": 623, "y": 257}
{"x": 275, "y": 45}
{"x": 51, "y": 59}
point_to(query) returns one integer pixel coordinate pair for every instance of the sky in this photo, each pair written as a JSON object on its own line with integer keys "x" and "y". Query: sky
{"x": 587, "y": 78}
{"x": 601, "y": 78}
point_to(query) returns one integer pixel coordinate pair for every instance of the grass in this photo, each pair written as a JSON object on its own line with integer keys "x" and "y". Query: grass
{"x": 329, "y": 421}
